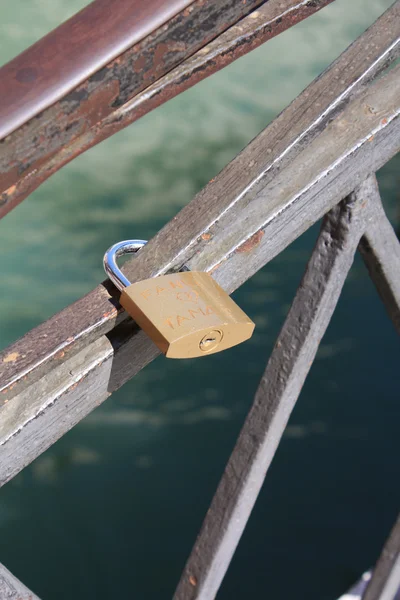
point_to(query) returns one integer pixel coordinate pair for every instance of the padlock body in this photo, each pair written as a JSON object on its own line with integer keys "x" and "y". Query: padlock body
{"x": 187, "y": 314}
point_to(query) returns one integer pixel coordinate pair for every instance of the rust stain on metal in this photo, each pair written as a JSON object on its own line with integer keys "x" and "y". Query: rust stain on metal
{"x": 111, "y": 313}
{"x": 251, "y": 243}
{"x": 217, "y": 266}
{"x": 11, "y": 190}
{"x": 10, "y": 358}
{"x": 140, "y": 64}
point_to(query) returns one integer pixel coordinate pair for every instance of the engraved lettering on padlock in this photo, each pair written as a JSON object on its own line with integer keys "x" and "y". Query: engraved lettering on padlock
{"x": 191, "y": 296}
{"x": 186, "y": 314}
{"x": 159, "y": 290}
{"x": 184, "y": 324}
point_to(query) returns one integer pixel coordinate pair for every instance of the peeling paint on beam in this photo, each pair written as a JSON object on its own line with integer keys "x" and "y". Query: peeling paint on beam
{"x": 73, "y": 52}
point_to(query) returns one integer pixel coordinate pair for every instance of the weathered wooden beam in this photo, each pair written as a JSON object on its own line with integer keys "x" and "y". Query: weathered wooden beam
{"x": 385, "y": 580}
{"x": 279, "y": 388}
{"x": 380, "y": 249}
{"x": 291, "y": 134}
{"x": 76, "y": 117}
{"x": 246, "y": 236}
{"x": 12, "y": 589}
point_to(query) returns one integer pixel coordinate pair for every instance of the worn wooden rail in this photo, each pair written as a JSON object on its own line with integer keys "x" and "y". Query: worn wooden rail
{"x": 316, "y": 160}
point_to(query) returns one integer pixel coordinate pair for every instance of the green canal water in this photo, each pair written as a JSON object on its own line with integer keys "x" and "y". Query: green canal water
{"x": 112, "y": 509}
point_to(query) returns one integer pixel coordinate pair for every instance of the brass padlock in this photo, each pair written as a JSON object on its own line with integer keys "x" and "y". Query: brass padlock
{"x": 186, "y": 314}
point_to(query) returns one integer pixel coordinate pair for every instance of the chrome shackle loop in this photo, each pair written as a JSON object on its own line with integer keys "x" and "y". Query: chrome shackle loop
{"x": 110, "y": 261}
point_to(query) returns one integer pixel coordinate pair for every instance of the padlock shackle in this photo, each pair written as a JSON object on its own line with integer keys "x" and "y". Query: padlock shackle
{"x": 110, "y": 261}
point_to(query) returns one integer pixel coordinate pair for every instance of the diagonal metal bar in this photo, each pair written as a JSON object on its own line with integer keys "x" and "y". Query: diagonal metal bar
{"x": 59, "y": 372}
{"x": 380, "y": 250}
{"x": 385, "y": 581}
{"x": 11, "y": 588}
{"x": 275, "y": 398}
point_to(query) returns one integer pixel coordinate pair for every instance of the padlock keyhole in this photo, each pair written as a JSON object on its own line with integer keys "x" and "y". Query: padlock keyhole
{"x": 211, "y": 340}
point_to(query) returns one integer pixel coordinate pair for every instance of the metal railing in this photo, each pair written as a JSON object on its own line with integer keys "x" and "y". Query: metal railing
{"x": 316, "y": 160}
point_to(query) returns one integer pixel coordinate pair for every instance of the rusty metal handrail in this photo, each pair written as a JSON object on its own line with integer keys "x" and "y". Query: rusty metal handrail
{"x": 84, "y": 101}
{"x": 49, "y": 70}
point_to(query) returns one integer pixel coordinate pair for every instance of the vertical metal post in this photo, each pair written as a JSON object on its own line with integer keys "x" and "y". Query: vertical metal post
{"x": 380, "y": 250}
{"x": 276, "y": 396}
{"x": 385, "y": 580}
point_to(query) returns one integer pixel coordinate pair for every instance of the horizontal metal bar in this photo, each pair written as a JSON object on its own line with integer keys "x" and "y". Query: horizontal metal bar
{"x": 12, "y": 589}
{"x": 380, "y": 249}
{"x": 287, "y": 137}
{"x": 95, "y": 109}
{"x": 248, "y": 233}
{"x": 280, "y": 386}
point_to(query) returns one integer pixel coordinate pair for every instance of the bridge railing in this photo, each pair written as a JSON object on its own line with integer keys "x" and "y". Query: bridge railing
{"x": 316, "y": 160}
